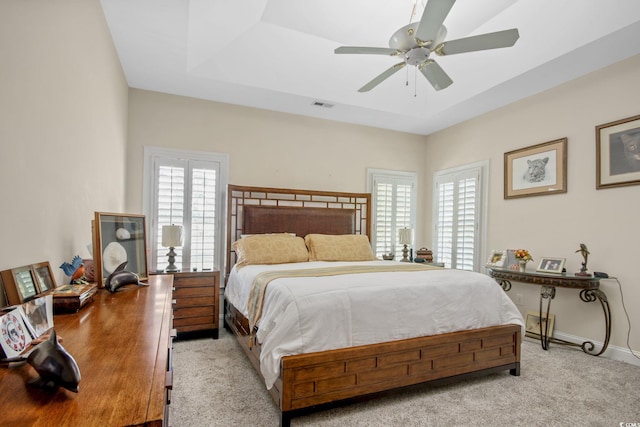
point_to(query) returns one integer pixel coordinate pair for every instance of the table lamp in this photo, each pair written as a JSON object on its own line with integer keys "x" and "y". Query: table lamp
{"x": 171, "y": 238}
{"x": 406, "y": 238}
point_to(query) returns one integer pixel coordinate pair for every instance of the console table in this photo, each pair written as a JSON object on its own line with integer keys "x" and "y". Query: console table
{"x": 589, "y": 292}
{"x": 122, "y": 345}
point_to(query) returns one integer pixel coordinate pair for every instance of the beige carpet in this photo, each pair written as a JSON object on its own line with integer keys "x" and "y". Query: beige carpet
{"x": 215, "y": 385}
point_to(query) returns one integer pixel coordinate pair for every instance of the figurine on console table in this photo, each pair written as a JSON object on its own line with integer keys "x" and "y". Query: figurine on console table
{"x": 585, "y": 254}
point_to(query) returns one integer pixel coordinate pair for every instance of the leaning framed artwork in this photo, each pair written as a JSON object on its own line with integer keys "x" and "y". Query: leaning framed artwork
{"x": 534, "y": 326}
{"x": 618, "y": 153}
{"x": 496, "y": 259}
{"x": 44, "y": 276}
{"x": 118, "y": 238}
{"x": 536, "y": 170}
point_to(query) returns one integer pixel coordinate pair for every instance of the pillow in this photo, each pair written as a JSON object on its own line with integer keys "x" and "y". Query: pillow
{"x": 345, "y": 247}
{"x": 270, "y": 249}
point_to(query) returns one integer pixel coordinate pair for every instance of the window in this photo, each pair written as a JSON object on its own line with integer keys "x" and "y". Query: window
{"x": 187, "y": 189}
{"x": 393, "y": 197}
{"x": 459, "y": 200}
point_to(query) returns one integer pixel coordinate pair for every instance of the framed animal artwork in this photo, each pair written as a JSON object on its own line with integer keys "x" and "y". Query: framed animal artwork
{"x": 618, "y": 153}
{"x": 536, "y": 170}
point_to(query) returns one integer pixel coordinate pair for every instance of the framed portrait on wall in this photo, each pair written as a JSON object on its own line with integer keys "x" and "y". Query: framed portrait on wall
{"x": 536, "y": 170}
{"x": 119, "y": 238}
{"x": 618, "y": 153}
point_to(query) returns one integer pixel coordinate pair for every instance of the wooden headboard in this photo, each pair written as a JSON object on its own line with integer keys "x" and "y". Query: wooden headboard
{"x": 256, "y": 210}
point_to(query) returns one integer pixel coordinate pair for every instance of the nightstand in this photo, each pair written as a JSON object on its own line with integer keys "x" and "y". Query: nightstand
{"x": 196, "y": 305}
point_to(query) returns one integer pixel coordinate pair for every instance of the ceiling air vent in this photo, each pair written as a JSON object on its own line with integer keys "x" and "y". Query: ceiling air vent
{"x": 321, "y": 104}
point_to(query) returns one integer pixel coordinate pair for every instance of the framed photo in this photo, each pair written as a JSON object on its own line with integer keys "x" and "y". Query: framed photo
{"x": 618, "y": 153}
{"x": 19, "y": 284}
{"x": 119, "y": 238}
{"x": 532, "y": 324}
{"x": 44, "y": 276}
{"x": 497, "y": 259}
{"x": 537, "y": 170}
{"x": 551, "y": 265}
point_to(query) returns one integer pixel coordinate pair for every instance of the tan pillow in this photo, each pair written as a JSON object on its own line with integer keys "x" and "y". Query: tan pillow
{"x": 270, "y": 249}
{"x": 345, "y": 247}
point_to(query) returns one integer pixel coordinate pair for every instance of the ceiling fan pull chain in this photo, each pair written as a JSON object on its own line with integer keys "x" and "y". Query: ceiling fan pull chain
{"x": 415, "y": 82}
{"x": 407, "y": 82}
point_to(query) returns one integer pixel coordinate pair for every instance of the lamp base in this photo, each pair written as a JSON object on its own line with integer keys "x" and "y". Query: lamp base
{"x": 171, "y": 268}
{"x": 405, "y": 254}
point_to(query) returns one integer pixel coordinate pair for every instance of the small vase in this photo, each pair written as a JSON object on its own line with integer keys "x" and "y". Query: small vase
{"x": 523, "y": 265}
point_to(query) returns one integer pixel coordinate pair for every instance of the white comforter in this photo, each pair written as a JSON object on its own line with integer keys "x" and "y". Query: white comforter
{"x": 323, "y": 313}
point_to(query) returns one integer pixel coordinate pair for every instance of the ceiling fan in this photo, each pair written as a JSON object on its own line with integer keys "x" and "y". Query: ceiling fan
{"x": 417, "y": 41}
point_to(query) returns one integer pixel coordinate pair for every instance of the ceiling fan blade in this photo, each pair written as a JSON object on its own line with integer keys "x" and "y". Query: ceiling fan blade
{"x": 433, "y": 16}
{"x": 435, "y": 74}
{"x": 368, "y": 50}
{"x": 506, "y": 38}
{"x": 380, "y": 78}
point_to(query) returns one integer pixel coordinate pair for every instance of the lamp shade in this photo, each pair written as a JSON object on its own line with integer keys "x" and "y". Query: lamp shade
{"x": 171, "y": 236}
{"x": 406, "y": 236}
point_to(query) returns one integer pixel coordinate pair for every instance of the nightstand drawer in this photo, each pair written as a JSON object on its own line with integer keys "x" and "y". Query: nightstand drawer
{"x": 179, "y": 313}
{"x": 193, "y": 302}
{"x": 194, "y": 292}
{"x": 193, "y": 281}
{"x": 193, "y": 321}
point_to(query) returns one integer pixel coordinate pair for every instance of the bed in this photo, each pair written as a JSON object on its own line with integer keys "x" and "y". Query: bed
{"x": 309, "y": 372}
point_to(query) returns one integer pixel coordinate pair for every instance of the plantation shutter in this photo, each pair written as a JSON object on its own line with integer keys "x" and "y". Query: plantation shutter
{"x": 393, "y": 209}
{"x": 186, "y": 194}
{"x": 457, "y": 219}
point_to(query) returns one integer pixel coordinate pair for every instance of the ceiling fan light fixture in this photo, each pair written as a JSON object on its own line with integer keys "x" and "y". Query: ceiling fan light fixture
{"x": 417, "y": 56}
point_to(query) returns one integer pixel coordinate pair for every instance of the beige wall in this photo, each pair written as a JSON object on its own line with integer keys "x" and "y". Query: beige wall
{"x": 555, "y": 225}
{"x": 63, "y": 119}
{"x": 266, "y": 148}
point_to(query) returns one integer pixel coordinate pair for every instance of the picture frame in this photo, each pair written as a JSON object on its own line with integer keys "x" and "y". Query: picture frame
{"x": 118, "y": 238}
{"x": 44, "y": 276}
{"x": 537, "y": 170}
{"x": 20, "y": 284}
{"x": 618, "y": 153}
{"x": 497, "y": 259}
{"x": 551, "y": 265}
{"x": 533, "y": 324}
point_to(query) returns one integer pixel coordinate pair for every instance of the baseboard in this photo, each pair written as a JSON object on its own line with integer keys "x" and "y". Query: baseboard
{"x": 613, "y": 352}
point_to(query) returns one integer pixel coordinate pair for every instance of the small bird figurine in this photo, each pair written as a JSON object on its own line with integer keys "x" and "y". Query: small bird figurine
{"x": 75, "y": 270}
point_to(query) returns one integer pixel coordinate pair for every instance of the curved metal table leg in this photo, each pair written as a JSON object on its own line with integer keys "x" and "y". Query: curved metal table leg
{"x": 590, "y": 295}
{"x": 504, "y": 284}
{"x": 546, "y": 293}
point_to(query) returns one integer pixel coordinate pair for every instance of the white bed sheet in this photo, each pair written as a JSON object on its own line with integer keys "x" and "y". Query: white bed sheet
{"x": 324, "y": 313}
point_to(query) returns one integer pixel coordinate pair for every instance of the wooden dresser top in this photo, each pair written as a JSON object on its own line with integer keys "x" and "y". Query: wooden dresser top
{"x": 120, "y": 342}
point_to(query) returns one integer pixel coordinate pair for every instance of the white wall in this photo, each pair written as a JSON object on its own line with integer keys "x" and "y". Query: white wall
{"x": 63, "y": 119}
{"x": 555, "y": 225}
{"x": 267, "y": 148}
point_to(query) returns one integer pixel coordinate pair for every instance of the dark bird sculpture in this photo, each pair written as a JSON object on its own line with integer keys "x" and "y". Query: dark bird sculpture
{"x": 75, "y": 270}
{"x": 121, "y": 277}
{"x": 57, "y": 368}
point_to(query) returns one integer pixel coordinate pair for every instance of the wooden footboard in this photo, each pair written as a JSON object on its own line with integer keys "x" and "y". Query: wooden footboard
{"x": 308, "y": 380}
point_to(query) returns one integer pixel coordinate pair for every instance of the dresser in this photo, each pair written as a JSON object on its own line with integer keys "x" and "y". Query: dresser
{"x": 122, "y": 343}
{"x": 196, "y": 307}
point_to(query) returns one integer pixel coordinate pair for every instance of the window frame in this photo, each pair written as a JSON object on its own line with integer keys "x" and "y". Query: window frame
{"x": 149, "y": 203}
{"x": 482, "y": 194}
{"x": 392, "y": 175}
